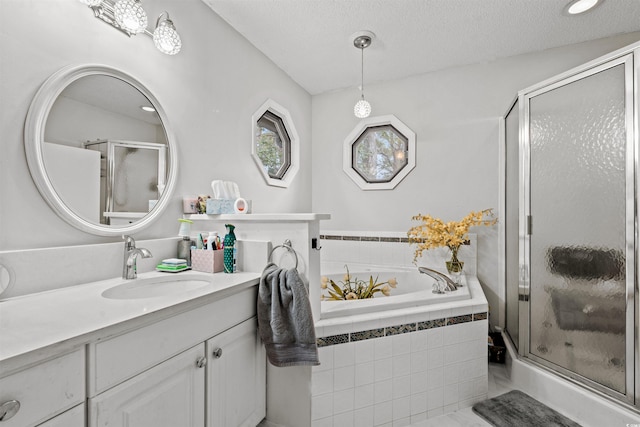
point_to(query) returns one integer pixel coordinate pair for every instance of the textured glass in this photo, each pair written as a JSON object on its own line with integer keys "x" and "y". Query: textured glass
{"x": 512, "y": 142}
{"x": 130, "y": 16}
{"x": 578, "y": 181}
{"x": 273, "y": 146}
{"x": 135, "y": 179}
{"x": 166, "y": 38}
{"x": 380, "y": 153}
{"x": 362, "y": 109}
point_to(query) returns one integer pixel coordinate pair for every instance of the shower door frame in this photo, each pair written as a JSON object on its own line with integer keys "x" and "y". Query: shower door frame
{"x": 630, "y": 59}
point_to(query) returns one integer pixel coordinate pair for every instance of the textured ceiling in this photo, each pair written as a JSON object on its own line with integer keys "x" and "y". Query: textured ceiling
{"x": 311, "y": 39}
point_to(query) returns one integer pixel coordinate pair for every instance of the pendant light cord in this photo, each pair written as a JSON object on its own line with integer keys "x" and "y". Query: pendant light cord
{"x": 362, "y": 72}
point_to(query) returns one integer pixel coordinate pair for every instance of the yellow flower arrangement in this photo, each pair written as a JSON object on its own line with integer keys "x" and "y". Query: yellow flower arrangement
{"x": 354, "y": 288}
{"x": 434, "y": 233}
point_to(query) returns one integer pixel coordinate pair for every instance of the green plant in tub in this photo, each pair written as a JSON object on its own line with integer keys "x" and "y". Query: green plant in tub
{"x": 352, "y": 288}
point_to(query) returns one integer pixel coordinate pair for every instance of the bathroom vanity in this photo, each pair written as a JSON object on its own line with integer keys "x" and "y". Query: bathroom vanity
{"x": 188, "y": 355}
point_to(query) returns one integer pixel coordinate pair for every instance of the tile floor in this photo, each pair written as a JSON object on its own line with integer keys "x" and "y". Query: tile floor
{"x": 498, "y": 384}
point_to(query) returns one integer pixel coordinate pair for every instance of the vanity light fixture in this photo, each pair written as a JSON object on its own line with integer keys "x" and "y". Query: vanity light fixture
{"x": 129, "y": 17}
{"x": 577, "y": 7}
{"x": 165, "y": 36}
{"x": 362, "y": 40}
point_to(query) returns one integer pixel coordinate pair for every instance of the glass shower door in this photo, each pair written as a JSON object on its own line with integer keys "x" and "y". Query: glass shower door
{"x": 581, "y": 220}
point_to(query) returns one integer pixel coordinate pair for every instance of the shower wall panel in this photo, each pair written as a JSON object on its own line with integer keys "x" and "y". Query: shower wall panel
{"x": 578, "y": 228}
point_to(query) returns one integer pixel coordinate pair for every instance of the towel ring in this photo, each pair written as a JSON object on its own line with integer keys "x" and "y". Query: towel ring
{"x": 286, "y": 245}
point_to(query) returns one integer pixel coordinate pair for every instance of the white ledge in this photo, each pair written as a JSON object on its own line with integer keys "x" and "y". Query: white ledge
{"x": 264, "y": 217}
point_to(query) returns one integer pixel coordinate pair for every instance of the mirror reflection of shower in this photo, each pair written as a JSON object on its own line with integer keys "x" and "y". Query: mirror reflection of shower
{"x": 132, "y": 178}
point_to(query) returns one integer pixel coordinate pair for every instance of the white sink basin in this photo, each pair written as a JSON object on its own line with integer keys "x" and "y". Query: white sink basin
{"x": 154, "y": 287}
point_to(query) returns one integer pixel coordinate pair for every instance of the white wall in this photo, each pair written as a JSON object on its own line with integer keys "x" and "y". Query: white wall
{"x": 209, "y": 92}
{"x": 454, "y": 113}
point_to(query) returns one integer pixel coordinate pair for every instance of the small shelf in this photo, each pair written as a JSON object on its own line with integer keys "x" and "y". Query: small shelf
{"x": 264, "y": 217}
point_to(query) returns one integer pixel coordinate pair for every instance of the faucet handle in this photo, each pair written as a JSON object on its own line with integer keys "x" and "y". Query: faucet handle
{"x": 129, "y": 241}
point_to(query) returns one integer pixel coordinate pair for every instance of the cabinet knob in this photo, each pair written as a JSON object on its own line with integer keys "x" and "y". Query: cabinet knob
{"x": 217, "y": 353}
{"x": 201, "y": 362}
{"x": 9, "y": 409}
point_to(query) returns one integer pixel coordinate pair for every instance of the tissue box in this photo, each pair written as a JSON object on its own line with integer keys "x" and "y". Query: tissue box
{"x": 207, "y": 261}
{"x": 220, "y": 206}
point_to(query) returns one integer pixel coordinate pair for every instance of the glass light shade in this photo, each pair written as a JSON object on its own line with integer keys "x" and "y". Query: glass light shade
{"x": 91, "y": 2}
{"x": 130, "y": 16}
{"x": 581, "y": 6}
{"x": 166, "y": 38}
{"x": 362, "y": 109}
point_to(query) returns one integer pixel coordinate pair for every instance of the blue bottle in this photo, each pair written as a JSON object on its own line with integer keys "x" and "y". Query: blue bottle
{"x": 229, "y": 250}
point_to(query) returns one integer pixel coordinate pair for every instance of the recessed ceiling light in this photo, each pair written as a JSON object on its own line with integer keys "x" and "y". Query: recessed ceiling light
{"x": 580, "y": 6}
{"x": 148, "y": 109}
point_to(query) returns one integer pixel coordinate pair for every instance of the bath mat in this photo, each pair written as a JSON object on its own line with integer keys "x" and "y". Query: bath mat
{"x": 516, "y": 408}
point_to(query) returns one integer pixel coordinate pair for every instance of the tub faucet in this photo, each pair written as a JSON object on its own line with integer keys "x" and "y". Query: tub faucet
{"x": 131, "y": 254}
{"x": 450, "y": 285}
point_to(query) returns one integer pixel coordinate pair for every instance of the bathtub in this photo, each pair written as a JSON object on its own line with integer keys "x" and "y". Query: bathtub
{"x": 399, "y": 359}
{"x": 413, "y": 290}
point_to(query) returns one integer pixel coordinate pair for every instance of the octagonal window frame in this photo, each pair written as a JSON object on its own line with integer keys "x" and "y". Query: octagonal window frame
{"x": 354, "y": 137}
{"x": 279, "y": 116}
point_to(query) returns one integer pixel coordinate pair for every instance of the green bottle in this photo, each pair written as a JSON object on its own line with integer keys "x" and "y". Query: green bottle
{"x": 229, "y": 250}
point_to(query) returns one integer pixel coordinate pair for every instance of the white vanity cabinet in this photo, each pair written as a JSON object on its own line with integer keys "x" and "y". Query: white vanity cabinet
{"x": 236, "y": 371}
{"x": 168, "y": 372}
{"x": 40, "y": 392}
{"x": 74, "y": 417}
{"x": 169, "y": 394}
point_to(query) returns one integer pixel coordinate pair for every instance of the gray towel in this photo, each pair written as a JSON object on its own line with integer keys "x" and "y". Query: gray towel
{"x": 285, "y": 321}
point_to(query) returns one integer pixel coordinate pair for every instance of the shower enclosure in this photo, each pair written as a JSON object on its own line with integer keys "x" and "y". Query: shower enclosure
{"x": 132, "y": 174}
{"x": 570, "y": 224}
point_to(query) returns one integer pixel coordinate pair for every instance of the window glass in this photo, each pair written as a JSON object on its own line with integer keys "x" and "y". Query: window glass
{"x": 273, "y": 145}
{"x": 379, "y": 153}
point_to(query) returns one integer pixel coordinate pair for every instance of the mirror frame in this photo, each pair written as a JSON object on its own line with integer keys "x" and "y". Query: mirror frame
{"x": 278, "y": 110}
{"x": 34, "y": 137}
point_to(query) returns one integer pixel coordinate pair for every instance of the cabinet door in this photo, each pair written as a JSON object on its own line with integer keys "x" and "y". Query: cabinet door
{"x": 236, "y": 377}
{"x": 169, "y": 394}
{"x": 74, "y": 417}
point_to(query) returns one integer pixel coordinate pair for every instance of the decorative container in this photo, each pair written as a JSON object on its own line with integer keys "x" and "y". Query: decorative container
{"x": 207, "y": 261}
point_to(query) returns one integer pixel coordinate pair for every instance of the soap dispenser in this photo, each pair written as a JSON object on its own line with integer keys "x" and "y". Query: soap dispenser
{"x": 229, "y": 250}
{"x": 184, "y": 245}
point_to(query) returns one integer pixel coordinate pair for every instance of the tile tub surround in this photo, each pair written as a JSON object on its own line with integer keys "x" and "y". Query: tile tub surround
{"x": 389, "y": 249}
{"x": 401, "y": 366}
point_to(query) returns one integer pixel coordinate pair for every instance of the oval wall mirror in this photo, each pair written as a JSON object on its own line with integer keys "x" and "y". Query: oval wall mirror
{"x": 100, "y": 150}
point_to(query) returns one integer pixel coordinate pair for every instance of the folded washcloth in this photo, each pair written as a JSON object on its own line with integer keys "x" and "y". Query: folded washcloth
{"x": 285, "y": 321}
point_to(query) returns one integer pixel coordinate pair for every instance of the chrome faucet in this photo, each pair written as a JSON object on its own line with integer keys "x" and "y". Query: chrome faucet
{"x": 131, "y": 254}
{"x": 449, "y": 285}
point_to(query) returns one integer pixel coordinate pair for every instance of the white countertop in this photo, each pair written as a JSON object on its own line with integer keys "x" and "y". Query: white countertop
{"x": 33, "y": 327}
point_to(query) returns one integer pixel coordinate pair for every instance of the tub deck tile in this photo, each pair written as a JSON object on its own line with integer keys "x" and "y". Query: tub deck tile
{"x": 400, "y": 329}
{"x": 332, "y": 340}
{"x": 455, "y": 320}
{"x": 480, "y": 316}
{"x": 430, "y": 324}
{"x": 366, "y": 335}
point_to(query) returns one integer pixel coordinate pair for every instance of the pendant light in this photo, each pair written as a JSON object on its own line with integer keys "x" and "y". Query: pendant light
{"x": 362, "y": 40}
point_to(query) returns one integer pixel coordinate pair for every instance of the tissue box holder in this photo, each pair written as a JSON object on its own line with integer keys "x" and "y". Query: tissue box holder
{"x": 207, "y": 261}
{"x": 220, "y": 206}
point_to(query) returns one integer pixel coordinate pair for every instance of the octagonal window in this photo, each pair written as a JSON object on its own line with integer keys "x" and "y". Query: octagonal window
{"x": 379, "y": 152}
{"x": 274, "y": 146}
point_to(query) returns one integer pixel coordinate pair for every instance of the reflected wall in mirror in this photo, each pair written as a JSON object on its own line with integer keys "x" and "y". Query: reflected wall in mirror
{"x": 100, "y": 150}
{"x": 274, "y": 146}
{"x": 379, "y": 152}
